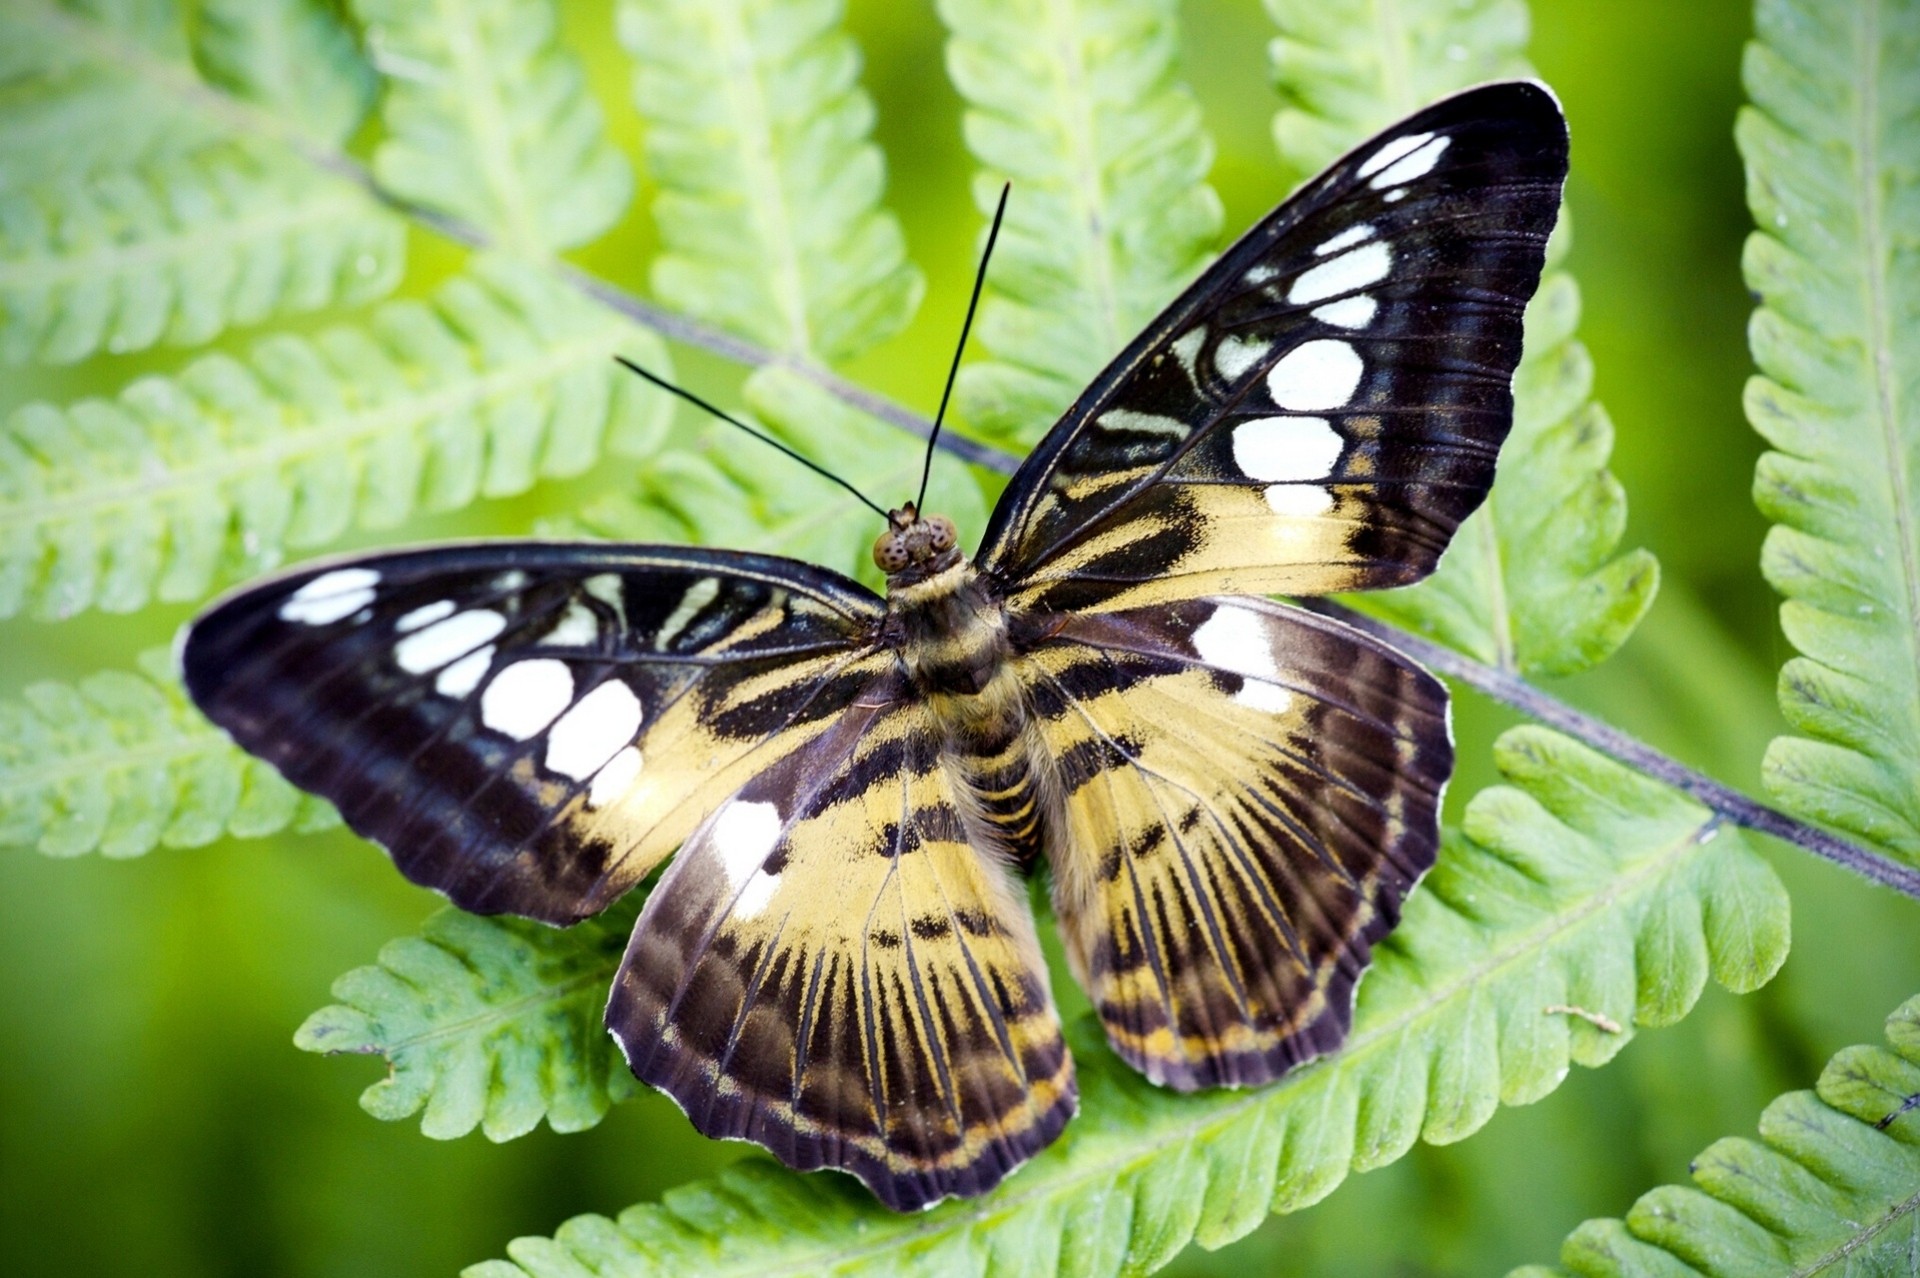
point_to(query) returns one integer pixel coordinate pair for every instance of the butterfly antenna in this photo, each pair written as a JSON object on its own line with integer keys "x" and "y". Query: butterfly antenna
{"x": 980, "y": 278}
{"x": 764, "y": 438}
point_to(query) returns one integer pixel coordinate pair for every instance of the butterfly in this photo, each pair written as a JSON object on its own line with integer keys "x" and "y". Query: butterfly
{"x": 1231, "y": 797}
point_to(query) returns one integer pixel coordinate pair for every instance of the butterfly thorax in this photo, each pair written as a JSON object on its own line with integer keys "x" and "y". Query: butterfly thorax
{"x": 952, "y": 635}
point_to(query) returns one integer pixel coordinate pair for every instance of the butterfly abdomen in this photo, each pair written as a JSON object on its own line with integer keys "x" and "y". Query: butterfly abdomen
{"x": 956, "y": 650}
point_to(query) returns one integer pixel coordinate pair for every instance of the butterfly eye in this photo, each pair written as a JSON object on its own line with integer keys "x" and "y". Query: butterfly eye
{"x": 890, "y": 552}
{"x": 941, "y": 532}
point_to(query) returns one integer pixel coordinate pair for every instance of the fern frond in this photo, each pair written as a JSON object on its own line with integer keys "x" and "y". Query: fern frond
{"x": 213, "y": 474}
{"x": 120, "y": 763}
{"x": 1346, "y": 69}
{"x": 66, "y": 109}
{"x": 489, "y": 119}
{"x": 1532, "y": 583}
{"x": 1831, "y": 1186}
{"x": 1079, "y": 103}
{"x": 184, "y": 249}
{"x": 737, "y": 494}
{"x": 1832, "y": 147}
{"x": 1578, "y": 883}
{"x": 759, "y": 138}
{"x": 294, "y": 57}
{"x": 493, "y": 1023}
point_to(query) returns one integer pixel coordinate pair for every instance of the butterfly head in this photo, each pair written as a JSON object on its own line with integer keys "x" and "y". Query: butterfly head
{"x": 916, "y": 547}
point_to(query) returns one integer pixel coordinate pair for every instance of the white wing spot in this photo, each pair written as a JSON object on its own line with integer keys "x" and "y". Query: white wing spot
{"x": 1186, "y": 348}
{"x": 526, "y": 697}
{"x": 1346, "y": 239}
{"x": 755, "y": 895}
{"x": 1349, "y": 312}
{"x": 1142, "y": 423}
{"x": 1235, "y": 640}
{"x": 614, "y": 779}
{"x": 699, "y": 595}
{"x": 1392, "y": 151}
{"x": 1282, "y": 450}
{"x": 744, "y": 834}
{"x": 589, "y": 735}
{"x": 1396, "y": 195}
{"x": 577, "y": 627}
{"x": 441, "y": 642}
{"x": 426, "y": 614}
{"x": 1299, "y": 501}
{"x": 1235, "y": 355}
{"x": 464, "y": 675}
{"x": 1418, "y": 164}
{"x": 1344, "y": 274}
{"x": 1316, "y": 375}
{"x": 331, "y": 596}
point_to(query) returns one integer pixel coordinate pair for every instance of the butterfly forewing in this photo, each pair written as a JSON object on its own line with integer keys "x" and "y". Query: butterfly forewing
{"x": 1324, "y": 406}
{"x": 832, "y": 969}
{"x": 1234, "y": 796}
{"x": 1249, "y": 790}
{"x": 530, "y": 728}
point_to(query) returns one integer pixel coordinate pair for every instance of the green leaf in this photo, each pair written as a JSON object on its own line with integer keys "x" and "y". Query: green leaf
{"x": 1531, "y": 583}
{"x": 733, "y": 492}
{"x": 1345, "y": 69}
{"x": 1079, "y": 104}
{"x": 184, "y": 249}
{"x": 1831, "y": 1186}
{"x": 109, "y": 84}
{"x": 71, "y": 105}
{"x": 120, "y": 763}
{"x": 489, "y": 1023}
{"x": 758, "y": 138}
{"x": 212, "y": 475}
{"x": 1832, "y": 145}
{"x": 489, "y": 119}
{"x": 294, "y": 57}
{"x": 1578, "y": 884}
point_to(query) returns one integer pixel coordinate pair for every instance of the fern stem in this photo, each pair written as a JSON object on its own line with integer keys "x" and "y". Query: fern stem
{"x": 1734, "y": 806}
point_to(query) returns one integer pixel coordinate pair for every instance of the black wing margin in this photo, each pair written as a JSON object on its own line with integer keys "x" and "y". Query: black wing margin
{"x": 1321, "y": 409}
{"x": 530, "y": 727}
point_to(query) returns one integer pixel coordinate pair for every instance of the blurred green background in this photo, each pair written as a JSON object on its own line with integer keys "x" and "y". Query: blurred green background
{"x": 155, "y": 1119}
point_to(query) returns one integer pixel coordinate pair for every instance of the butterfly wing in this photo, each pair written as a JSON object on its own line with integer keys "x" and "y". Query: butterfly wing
{"x": 1249, "y": 791}
{"x": 829, "y": 969}
{"x": 1321, "y": 409}
{"x": 529, "y": 727}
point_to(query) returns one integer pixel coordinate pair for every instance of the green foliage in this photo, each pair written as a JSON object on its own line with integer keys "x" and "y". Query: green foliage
{"x": 73, "y": 103}
{"x": 769, "y": 204}
{"x": 1831, "y": 1186}
{"x": 294, "y": 57}
{"x": 183, "y": 481}
{"x": 1531, "y": 583}
{"x": 1079, "y": 104}
{"x": 488, "y": 1023}
{"x": 1832, "y": 146}
{"x": 119, "y": 763}
{"x": 735, "y": 493}
{"x": 488, "y": 119}
{"x": 181, "y": 250}
{"x": 1576, "y": 884}
{"x": 1348, "y": 68}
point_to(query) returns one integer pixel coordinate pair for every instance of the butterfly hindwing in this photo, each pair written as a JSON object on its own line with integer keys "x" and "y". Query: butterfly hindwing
{"x": 831, "y": 969}
{"x": 1249, "y": 792}
{"x": 1321, "y": 409}
{"x": 531, "y": 727}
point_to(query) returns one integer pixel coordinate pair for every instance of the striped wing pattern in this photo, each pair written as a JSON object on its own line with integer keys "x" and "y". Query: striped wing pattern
{"x": 530, "y": 728}
{"x": 1250, "y": 792}
{"x": 1321, "y": 409}
{"x": 830, "y": 968}
{"x": 1234, "y": 796}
